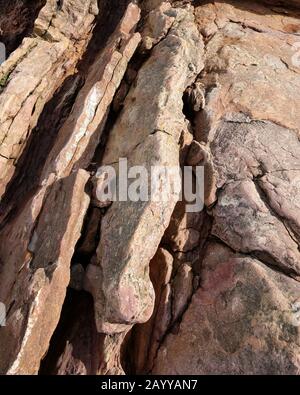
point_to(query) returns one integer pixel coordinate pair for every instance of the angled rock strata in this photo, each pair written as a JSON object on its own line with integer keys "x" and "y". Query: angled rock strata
{"x": 35, "y": 70}
{"x": 238, "y": 319}
{"x": 148, "y": 287}
{"x": 157, "y": 96}
{"x": 68, "y": 156}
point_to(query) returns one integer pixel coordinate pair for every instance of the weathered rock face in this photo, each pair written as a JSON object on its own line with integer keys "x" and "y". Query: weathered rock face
{"x": 153, "y": 109}
{"x": 242, "y": 319}
{"x": 102, "y": 287}
{"x": 243, "y": 316}
{"x": 35, "y": 70}
{"x": 71, "y": 152}
{"x": 39, "y": 292}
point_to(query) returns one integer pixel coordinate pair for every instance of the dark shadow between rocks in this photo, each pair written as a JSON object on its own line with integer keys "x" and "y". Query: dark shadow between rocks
{"x": 17, "y": 19}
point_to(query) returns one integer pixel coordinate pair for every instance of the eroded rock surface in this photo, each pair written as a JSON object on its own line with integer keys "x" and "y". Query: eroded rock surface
{"x": 35, "y": 70}
{"x": 37, "y": 296}
{"x": 243, "y": 316}
{"x": 242, "y": 319}
{"x": 71, "y": 152}
{"x": 114, "y": 287}
{"x": 153, "y": 110}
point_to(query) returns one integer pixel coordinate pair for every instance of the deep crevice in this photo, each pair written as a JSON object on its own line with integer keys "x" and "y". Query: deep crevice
{"x": 75, "y": 343}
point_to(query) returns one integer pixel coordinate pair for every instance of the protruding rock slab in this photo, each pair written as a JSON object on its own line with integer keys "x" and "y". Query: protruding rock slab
{"x": 148, "y": 134}
{"x": 79, "y": 136}
{"x": 31, "y": 75}
{"x": 36, "y": 302}
{"x": 74, "y": 147}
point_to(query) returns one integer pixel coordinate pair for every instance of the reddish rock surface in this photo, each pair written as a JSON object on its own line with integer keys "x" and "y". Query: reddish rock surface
{"x": 236, "y": 322}
{"x": 114, "y": 287}
{"x": 243, "y": 319}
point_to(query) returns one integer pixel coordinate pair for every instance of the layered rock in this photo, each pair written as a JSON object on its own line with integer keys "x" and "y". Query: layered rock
{"x": 215, "y": 85}
{"x": 73, "y": 150}
{"x": 243, "y": 317}
{"x": 37, "y": 296}
{"x": 119, "y": 277}
{"x": 35, "y": 70}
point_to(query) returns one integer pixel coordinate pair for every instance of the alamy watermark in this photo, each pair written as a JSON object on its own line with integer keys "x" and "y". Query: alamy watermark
{"x": 2, "y": 314}
{"x": 156, "y": 184}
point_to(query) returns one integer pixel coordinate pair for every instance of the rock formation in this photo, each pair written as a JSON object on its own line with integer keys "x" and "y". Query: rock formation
{"x": 148, "y": 287}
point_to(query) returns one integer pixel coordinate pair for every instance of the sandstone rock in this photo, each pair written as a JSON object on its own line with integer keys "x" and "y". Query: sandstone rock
{"x": 183, "y": 232}
{"x": 69, "y": 150}
{"x": 40, "y": 284}
{"x": 265, "y": 44}
{"x": 282, "y": 190}
{"x": 96, "y": 286}
{"x": 247, "y": 198}
{"x": 32, "y": 74}
{"x": 182, "y": 288}
{"x": 153, "y": 109}
{"x": 243, "y": 317}
{"x": 159, "y": 22}
{"x": 174, "y": 282}
{"x": 110, "y": 355}
{"x": 64, "y": 160}
{"x": 242, "y": 320}
{"x": 76, "y": 143}
{"x": 197, "y": 155}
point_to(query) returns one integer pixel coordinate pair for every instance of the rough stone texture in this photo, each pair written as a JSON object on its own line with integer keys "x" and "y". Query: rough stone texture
{"x": 119, "y": 277}
{"x": 249, "y": 216}
{"x": 29, "y": 78}
{"x": 17, "y": 20}
{"x": 244, "y": 315}
{"x": 75, "y": 145}
{"x": 101, "y": 287}
{"x": 242, "y": 320}
{"x": 73, "y": 150}
{"x": 249, "y": 50}
{"x": 36, "y": 300}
